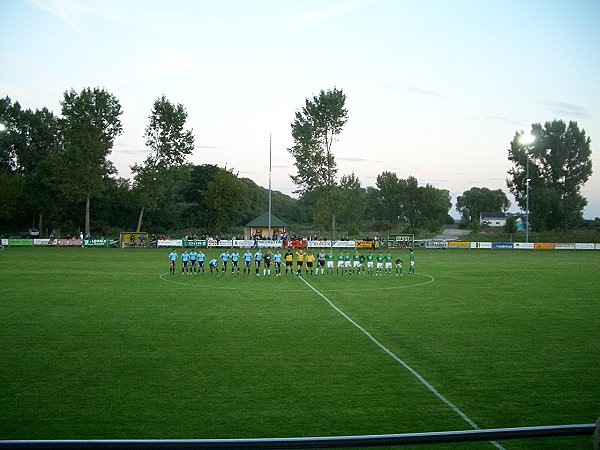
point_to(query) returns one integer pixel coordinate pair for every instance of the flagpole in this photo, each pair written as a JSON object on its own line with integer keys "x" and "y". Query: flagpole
{"x": 270, "y": 139}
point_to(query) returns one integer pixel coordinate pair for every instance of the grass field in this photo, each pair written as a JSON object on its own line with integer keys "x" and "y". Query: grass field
{"x": 104, "y": 343}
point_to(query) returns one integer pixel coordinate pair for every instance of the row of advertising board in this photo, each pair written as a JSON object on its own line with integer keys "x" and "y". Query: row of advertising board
{"x": 264, "y": 243}
{"x": 245, "y": 243}
{"x": 513, "y": 245}
{"x": 75, "y": 242}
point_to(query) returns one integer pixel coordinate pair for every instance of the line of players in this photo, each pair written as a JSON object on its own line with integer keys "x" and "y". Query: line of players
{"x": 347, "y": 264}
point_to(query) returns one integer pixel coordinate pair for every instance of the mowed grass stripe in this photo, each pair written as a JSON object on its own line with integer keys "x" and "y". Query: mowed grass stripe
{"x": 97, "y": 346}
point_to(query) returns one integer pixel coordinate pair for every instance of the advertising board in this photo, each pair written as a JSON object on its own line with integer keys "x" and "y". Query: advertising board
{"x": 95, "y": 243}
{"x": 196, "y": 243}
{"x": 436, "y": 244}
{"x": 267, "y": 243}
{"x": 20, "y": 242}
{"x": 133, "y": 239}
{"x": 401, "y": 241}
{"x": 44, "y": 242}
{"x": 524, "y": 245}
{"x": 502, "y": 245}
{"x": 544, "y": 246}
{"x": 294, "y": 244}
{"x": 69, "y": 242}
{"x": 318, "y": 244}
{"x": 584, "y": 246}
{"x": 343, "y": 244}
{"x": 243, "y": 243}
{"x": 367, "y": 244}
{"x": 481, "y": 245}
{"x": 563, "y": 246}
{"x": 169, "y": 243}
{"x": 453, "y": 244}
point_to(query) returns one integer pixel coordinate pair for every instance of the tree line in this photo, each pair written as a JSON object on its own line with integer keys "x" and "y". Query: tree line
{"x": 55, "y": 173}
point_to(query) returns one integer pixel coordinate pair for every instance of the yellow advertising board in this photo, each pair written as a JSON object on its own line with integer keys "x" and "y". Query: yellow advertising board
{"x": 134, "y": 239}
{"x": 544, "y": 246}
{"x": 452, "y": 244}
{"x": 367, "y": 244}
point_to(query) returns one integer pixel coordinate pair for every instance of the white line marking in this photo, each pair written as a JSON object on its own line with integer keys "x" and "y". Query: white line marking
{"x": 426, "y": 383}
{"x": 166, "y": 276}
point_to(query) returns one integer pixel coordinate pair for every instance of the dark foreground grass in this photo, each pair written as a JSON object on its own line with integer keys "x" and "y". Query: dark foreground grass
{"x": 104, "y": 343}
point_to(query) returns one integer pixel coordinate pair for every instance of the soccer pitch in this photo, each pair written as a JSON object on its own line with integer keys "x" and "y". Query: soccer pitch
{"x": 105, "y": 344}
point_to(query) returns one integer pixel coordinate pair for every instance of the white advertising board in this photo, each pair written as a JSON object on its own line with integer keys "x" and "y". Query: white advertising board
{"x": 524, "y": 245}
{"x": 481, "y": 245}
{"x": 563, "y": 246}
{"x": 169, "y": 243}
{"x": 243, "y": 243}
{"x": 318, "y": 244}
{"x": 266, "y": 243}
{"x": 343, "y": 244}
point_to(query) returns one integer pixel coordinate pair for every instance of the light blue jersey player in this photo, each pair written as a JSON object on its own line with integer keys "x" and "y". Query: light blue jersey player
{"x": 214, "y": 265}
{"x": 185, "y": 258}
{"x": 193, "y": 261}
{"x": 172, "y": 261}
{"x": 224, "y": 259}
{"x": 235, "y": 258}
{"x": 277, "y": 261}
{"x": 247, "y": 261}
{"x": 258, "y": 260}
{"x": 201, "y": 259}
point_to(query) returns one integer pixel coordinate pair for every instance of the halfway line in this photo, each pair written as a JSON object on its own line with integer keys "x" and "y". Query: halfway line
{"x": 401, "y": 362}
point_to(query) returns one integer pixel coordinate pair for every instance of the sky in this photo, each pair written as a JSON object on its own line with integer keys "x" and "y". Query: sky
{"x": 435, "y": 89}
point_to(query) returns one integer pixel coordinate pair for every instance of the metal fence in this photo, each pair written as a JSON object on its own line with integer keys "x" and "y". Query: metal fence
{"x": 445, "y": 437}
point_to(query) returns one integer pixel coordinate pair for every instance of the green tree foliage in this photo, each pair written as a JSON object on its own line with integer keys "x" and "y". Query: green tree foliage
{"x": 314, "y": 129}
{"x": 477, "y": 200}
{"x": 170, "y": 144}
{"x": 391, "y": 197}
{"x": 395, "y": 201}
{"x": 434, "y": 206}
{"x": 559, "y": 161}
{"x": 223, "y": 196}
{"x": 351, "y": 203}
{"x": 90, "y": 123}
{"x": 28, "y": 148}
{"x": 10, "y": 138}
{"x": 510, "y": 226}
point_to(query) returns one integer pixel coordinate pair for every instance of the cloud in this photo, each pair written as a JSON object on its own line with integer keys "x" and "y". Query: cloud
{"x": 131, "y": 151}
{"x": 426, "y": 92}
{"x": 68, "y": 11}
{"x": 568, "y": 109}
{"x": 509, "y": 120}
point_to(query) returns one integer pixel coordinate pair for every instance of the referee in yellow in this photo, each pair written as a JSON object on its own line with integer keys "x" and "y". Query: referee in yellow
{"x": 310, "y": 261}
{"x": 300, "y": 261}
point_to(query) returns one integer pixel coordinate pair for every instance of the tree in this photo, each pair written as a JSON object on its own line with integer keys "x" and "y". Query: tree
{"x": 10, "y": 138}
{"x": 559, "y": 161}
{"x": 412, "y": 202}
{"x": 435, "y": 204}
{"x": 391, "y": 197}
{"x": 352, "y": 199}
{"x": 90, "y": 123}
{"x": 477, "y": 200}
{"x": 314, "y": 130}
{"x": 222, "y": 196}
{"x": 170, "y": 145}
{"x": 30, "y": 140}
